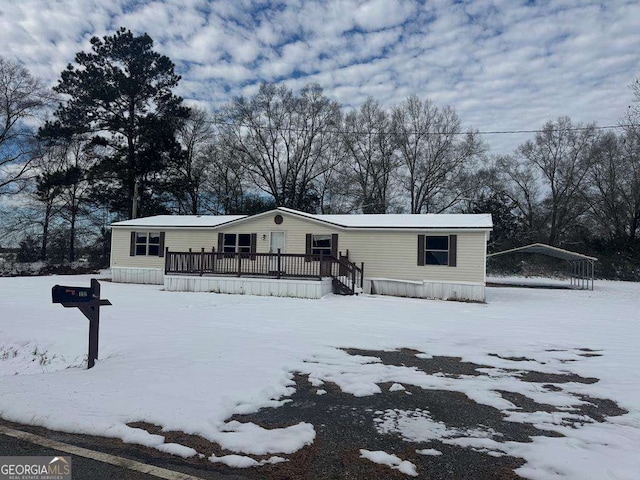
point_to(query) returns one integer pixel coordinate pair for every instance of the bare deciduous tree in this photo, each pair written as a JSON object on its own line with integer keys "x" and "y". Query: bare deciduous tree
{"x": 22, "y": 100}
{"x": 436, "y": 158}
{"x": 614, "y": 181}
{"x": 280, "y": 139}
{"x": 62, "y": 189}
{"x": 519, "y": 181}
{"x": 189, "y": 171}
{"x": 371, "y": 159}
{"x": 225, "y": 183}
{"x": 561, "y": 153}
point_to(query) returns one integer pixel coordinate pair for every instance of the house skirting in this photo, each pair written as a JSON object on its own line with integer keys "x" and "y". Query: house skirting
{"x": 467, "y": 291}
{"x": 137, "y": 275}
{"x": 272, "y": 287}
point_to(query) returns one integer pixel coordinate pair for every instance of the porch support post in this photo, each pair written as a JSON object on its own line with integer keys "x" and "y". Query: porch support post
{"x": 278, "y": 265}
{"x": 353, "y": 278}
{"x": 239, "y": 263}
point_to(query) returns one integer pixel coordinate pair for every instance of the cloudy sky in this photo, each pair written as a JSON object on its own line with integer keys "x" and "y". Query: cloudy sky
{"x": 502, "y": 64}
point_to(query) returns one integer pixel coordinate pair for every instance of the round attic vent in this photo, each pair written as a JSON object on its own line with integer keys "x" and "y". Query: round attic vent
{"x": 278, "y": 219}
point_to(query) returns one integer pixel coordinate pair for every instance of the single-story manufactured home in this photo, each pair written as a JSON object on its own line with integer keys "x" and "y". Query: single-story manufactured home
{"x": 285, "y": 252}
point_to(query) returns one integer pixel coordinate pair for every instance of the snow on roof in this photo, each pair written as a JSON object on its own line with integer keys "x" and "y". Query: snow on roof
{"x": 427, "y": 220}
{"x": 389, "y": 220}
{"x": 179, "y": 221}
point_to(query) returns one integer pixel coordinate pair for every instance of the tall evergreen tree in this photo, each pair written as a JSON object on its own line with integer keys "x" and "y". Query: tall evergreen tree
{"x": 120, "y": 94}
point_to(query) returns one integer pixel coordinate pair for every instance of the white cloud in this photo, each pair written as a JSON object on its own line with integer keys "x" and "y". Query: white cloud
{"x": 378, "y": 14}
{"x": 502, "y": 64}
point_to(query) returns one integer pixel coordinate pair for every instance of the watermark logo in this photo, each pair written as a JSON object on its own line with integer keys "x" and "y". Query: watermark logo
{"x": 35, "y": 468}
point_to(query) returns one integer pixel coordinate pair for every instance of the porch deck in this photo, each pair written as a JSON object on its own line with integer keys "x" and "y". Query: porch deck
{"x": 345, "y": 277}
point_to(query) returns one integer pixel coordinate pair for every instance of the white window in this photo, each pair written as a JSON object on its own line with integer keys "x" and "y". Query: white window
{"x": 237, "y": 243}
{"x": 436, "y": 250}
{"x": 148, "y": 243}
{"x": 321, "y": 245}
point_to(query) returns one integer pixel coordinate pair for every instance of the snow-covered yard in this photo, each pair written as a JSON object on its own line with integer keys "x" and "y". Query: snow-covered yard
{"x": 190, "y": 361}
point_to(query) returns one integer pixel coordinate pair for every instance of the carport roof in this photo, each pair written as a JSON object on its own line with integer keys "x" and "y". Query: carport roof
{"x": 547, "y": 250}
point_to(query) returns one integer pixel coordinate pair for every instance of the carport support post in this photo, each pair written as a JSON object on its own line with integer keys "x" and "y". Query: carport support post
{"x": 571, "y": 275}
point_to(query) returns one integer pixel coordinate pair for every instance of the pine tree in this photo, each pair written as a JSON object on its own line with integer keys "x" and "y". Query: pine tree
{"x": 120, "y": 95}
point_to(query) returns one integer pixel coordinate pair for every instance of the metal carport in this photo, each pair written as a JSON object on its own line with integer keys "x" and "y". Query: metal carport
{"x": 582, "y": 266}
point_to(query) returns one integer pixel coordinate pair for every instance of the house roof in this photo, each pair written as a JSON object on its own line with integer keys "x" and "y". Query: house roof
{"x": 179, "y": 221}
{"x": 364, "y": 221}
{"x": 548, "y": 250}
{"x": 426, "y": 220}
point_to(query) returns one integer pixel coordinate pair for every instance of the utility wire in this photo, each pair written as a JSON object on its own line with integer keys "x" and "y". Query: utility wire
{"x": 382, "y": 132}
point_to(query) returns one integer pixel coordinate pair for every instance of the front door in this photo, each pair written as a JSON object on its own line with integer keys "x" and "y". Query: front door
{"x": 276, "y": 242}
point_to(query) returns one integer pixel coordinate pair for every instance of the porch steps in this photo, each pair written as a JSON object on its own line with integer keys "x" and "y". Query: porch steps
{"x": 340, "y": 288}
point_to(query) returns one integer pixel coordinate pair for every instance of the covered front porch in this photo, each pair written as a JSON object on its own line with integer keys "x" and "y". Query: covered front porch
{"x": 271, "y": 274}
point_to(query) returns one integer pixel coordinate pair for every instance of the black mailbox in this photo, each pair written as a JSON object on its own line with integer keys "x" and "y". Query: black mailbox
{"x": 88, "y": 301}
{"x": 62, "y": 294}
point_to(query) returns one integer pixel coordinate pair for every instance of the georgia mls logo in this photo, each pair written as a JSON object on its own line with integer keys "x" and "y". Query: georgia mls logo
{"x": 59, "y": 466}
{"x": 35, "y": 468}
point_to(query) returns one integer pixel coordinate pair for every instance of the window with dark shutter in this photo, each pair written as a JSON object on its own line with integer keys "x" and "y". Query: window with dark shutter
{"x": 244, "y": 243}
{"x": 321, "y": 246}
{"x": 149, "y": 244}
{"x": 437, "y": 250}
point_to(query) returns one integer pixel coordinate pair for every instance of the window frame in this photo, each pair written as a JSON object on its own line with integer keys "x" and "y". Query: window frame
{"x": 236, "y": 245}
{"x": 435, "y": 251}
{"x": 308, "y": 249}
{"x": 142, "y": 248}
{"x": 317, "y": 252}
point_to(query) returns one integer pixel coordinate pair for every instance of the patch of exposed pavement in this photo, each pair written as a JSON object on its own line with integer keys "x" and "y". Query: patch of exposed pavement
{"x": 344, "y": 424}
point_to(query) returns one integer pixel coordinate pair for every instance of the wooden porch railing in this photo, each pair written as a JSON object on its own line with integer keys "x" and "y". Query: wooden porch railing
{"x": 346, "y": 276}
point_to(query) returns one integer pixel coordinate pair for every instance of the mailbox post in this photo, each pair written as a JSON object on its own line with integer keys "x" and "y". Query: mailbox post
{"x": 88, "y": 300}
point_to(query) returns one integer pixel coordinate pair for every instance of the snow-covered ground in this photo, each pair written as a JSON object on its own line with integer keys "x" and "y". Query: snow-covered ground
{"x": 189, "y": 361}
{"x": 533, "y": 281}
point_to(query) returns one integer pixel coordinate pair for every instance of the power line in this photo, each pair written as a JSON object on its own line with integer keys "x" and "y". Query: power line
{"x": 572, "y": 129}
{"x": 382, "y": 132}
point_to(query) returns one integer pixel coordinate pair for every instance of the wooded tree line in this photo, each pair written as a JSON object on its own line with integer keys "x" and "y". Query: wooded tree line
{"x": 112, "y": 141}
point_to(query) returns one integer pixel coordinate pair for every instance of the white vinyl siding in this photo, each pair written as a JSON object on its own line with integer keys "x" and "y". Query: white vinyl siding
{"x": 386, "y": 254}
{"x": 295, "y": 228}
{"x": 175, "y": 239}
{"x": 393, "y": 255}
